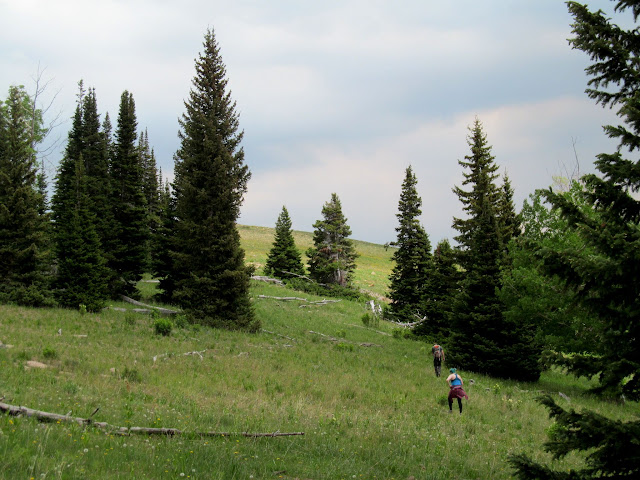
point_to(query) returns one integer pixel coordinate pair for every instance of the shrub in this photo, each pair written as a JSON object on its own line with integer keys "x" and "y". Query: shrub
{"x": 49, "y": 353}
{"x": 162, "y": 326}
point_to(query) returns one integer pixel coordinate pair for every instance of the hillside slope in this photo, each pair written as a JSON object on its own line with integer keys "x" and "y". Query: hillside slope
{"x": 373, "y": 266}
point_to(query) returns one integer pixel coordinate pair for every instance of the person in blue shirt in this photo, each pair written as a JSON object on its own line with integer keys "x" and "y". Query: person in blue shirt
{"x": 455, "y": 390}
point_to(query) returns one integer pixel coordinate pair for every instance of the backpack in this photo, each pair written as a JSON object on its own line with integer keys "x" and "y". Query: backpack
{"x": 438, "y": 351}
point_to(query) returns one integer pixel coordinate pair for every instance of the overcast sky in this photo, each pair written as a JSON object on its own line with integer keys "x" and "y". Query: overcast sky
{"x": 334, "y": 96}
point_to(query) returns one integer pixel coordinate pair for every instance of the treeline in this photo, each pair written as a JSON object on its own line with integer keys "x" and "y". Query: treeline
{"x": 111, "y": 218}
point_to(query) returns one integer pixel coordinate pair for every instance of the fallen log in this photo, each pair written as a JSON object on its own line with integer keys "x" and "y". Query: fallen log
{"x": 261, "y": 278}
{"x": 55, "y": 417}
{"x": 165, "y": 311}
{"x": 285, "y": 299}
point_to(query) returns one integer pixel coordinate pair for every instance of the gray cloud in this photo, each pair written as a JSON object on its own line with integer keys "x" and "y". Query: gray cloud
{"x": 336, "y": 96}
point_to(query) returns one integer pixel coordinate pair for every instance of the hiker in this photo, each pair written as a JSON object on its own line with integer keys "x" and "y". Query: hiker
{"x": 438, "y": 357}
{"x": 455, "y": 389}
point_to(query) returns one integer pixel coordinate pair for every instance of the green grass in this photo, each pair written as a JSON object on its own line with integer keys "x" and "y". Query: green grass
{"x": 373, "y": 264}
{"x": 368, "y": 412}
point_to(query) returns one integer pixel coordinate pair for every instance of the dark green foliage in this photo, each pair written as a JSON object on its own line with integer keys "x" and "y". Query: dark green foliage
{"x": 483, "y": 339}
{"x": 608, "y": 282}
{"x": 443, "y": 286}
{"x": 412, "y": 270}
{"x": 332, "y": 259}
{"x": 24, "y": 235}
{"x": 151, "y": 183}
{"x": 612, "y": 446}
{"x": 127, "y": 245}
{"x": 82, "y": 274}
{"x": 284, "y": 258}
{"x": 82, "y": 277}
{"x": 207, "y": 270}
{"x": 162, "y": 326}
{"x": 563, "y": 324}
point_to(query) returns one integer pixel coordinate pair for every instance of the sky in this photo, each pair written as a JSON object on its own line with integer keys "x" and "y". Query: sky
{"x": 334, "y": 96}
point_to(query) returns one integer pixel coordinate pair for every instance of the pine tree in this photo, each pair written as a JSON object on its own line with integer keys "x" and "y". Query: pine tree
{"x": 332, "y": 259}
{"x": 82, "y": 274}
{"x": 95, "y": 153}
{"x": 412, "y": 270}
{"x": 284, "y": 258}
{"x": 483, "y": 340}
{"x": 208, "y": 272}
{"x": 608, "y": 280}
{"x": 24, "y": 234}
{"x": 443, "y": 286}
{"x": 128, "y": 243}
{"x": 82, "y": 277}
{"x": 151, "y": 189}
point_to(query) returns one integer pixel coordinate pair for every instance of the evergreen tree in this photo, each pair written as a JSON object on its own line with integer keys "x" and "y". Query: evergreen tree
{"x": 332, "y": 259}
{"x": 508, "y": 219}
{"x": 483, "y": 340}
{"x": 151, "y": 189}
{"x": 82, "y": 277}
{"x": 284, "y": 258}
{"x": 95, "y": 153}
{"x": 608, "y": 282}
{"x": 443, "y": 286}
{"x": 208, "y": 272}
{"x": 24, "y": 236}
{"x": 128, "y": 242}
{"x": 483, "y": 193}
{"x": 412, "y": 270}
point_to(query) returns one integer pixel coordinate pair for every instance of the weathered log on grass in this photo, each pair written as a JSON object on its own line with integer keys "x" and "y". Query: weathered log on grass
{"x": 55, "y": 418}
{"x": 261, "y": 278}
{"x": 164, "y": 311}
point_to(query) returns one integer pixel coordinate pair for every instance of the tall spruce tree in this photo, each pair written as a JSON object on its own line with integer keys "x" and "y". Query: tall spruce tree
{"x": 483, "y": 339}
{"x": 413, "y": 267}
{"x": 332, "y": 259}
{"x": 24, "y": 234}
{"x": 151, "y": 189}
{"x": 128, "y": 242}
{"x": 208, "y": 272}
{"x": 284, "y": 259}
{"x": 82, "y": 277}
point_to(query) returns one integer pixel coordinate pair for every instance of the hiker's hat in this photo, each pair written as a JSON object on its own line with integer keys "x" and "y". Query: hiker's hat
{"x": 452, "y": 370}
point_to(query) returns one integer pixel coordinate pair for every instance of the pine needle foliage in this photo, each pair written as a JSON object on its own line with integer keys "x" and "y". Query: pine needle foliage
{"x": 611, "y": 446}
{"x": 412, "y": 271}
{"x": 284, "y": 259}
{"x": 208, "y": 272}
{"x": 482, "y": 338}
{"x": 607, "y": 282}
{"x": 24, "y": 232}
{"x": 332, "y": 259}
{"x": 128, "y": 243}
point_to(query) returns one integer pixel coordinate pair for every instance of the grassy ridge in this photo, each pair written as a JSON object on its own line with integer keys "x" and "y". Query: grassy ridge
{"x": 366, "y": 398}
{"x": 373, "y": 264}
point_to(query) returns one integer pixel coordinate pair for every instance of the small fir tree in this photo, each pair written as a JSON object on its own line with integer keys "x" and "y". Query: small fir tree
{"x": 284, "y": 259}
{"x": 409, "y": 289}
{"x": 443, "y": 287}
{"x": 207, "y": 271}
{"x": 332, "y": 259}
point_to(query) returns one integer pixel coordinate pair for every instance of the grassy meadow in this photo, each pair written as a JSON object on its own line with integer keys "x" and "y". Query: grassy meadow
{"x": 366, "y": 398}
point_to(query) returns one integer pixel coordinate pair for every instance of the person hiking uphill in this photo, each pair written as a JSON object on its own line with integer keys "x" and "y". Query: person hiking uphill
{"x": 455, "y": 389}
{"x": 438, "y": 357}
